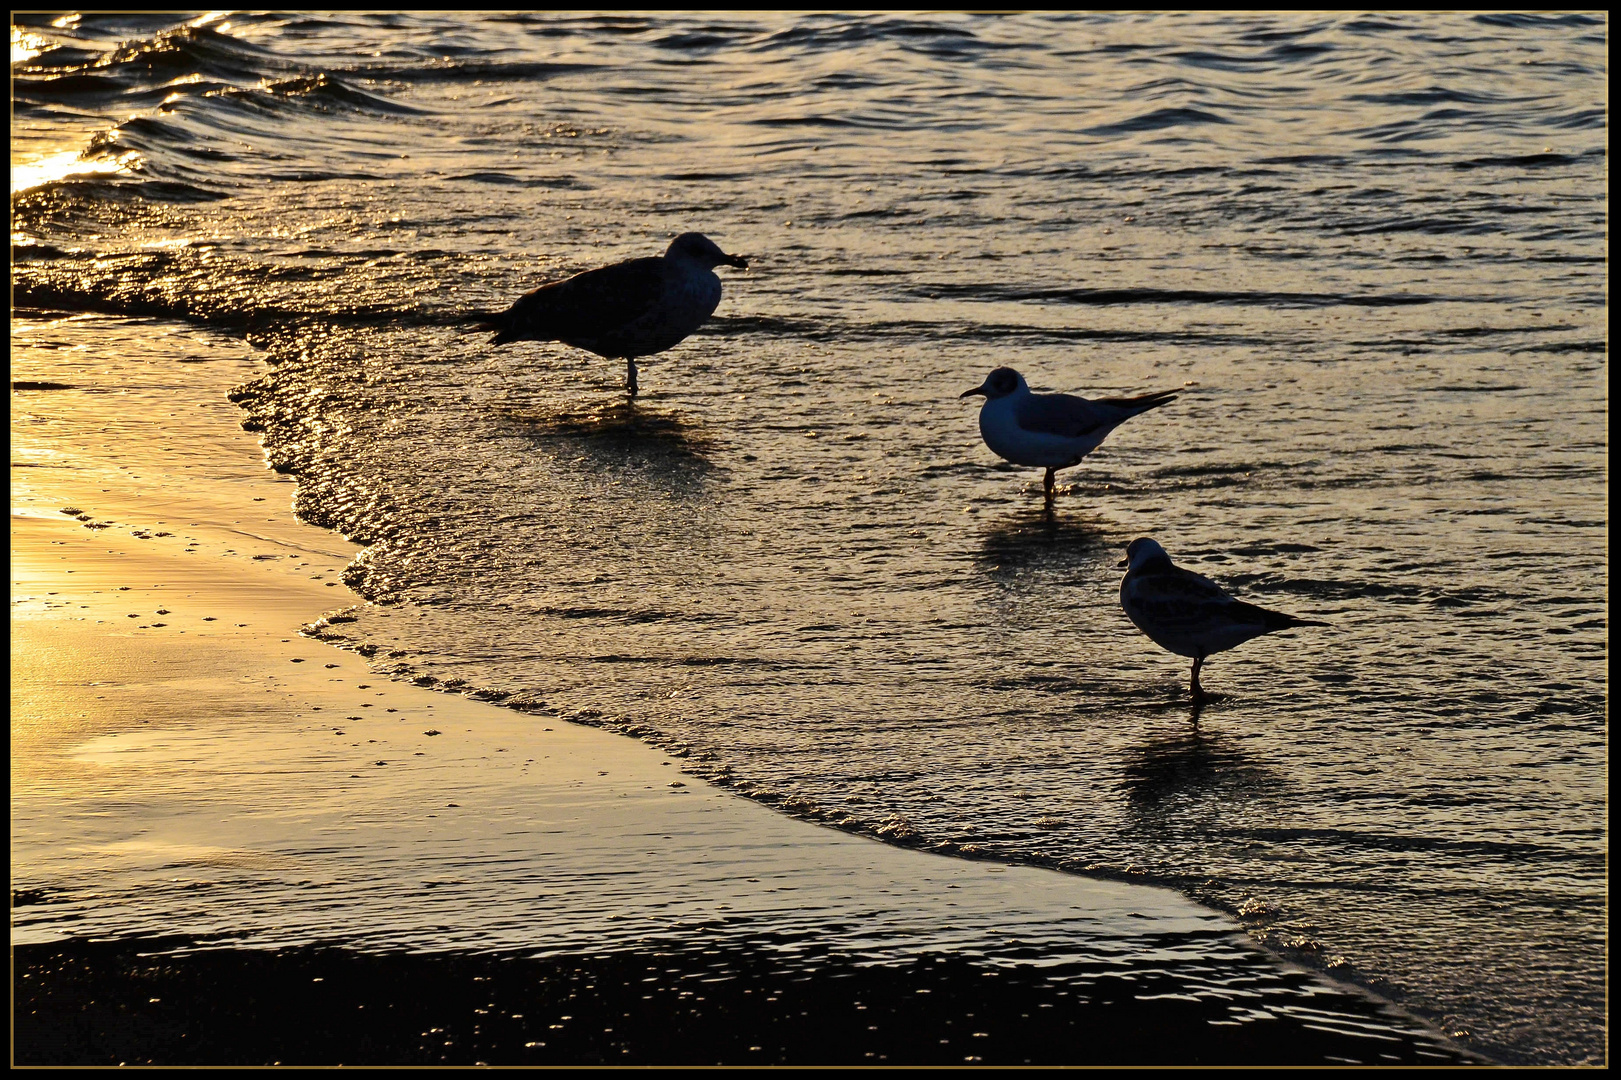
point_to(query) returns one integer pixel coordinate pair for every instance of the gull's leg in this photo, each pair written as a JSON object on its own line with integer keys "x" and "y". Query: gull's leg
{"x": 630, "y": 376}
{"x": 1198, "y": 691}
{"x": 1047, "y": 486}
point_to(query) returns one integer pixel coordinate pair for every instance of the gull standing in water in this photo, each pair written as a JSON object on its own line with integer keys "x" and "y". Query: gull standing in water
{"x": 1188, "y": 614}
{"x": 626, "y": 310}
{"x": 1051, "y": 430}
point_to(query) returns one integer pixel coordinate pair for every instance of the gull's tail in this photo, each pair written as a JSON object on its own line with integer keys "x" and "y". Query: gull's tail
{"x": 1142, "y": 402}
{"x": 1277, "y": 620}
{"x": 1266, "y": 617}
{"x": 497, "y": 322}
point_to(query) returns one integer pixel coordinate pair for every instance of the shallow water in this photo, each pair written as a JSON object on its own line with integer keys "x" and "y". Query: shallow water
{"x": 1371, "y": 251}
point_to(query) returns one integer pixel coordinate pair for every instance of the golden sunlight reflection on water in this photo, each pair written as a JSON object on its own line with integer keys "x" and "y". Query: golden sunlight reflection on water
{"x": 52, "y": 167}
{"x": 25, "y": 46}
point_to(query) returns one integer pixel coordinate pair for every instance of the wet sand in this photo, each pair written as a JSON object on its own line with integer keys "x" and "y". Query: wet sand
{"x": 663, "y": 1003}
{"x": 235, "y": 844}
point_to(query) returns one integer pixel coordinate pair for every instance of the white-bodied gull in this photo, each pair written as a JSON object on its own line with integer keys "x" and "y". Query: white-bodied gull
{"x": 626, "y": 310}
{"x": 1187, "y": 614}
{"x": 1053, "y": 431}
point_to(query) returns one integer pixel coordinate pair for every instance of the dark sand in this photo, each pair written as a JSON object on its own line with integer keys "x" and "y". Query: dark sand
{"x": 668, "y": 1003}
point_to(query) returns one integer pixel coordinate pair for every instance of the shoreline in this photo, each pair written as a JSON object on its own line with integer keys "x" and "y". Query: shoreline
{"x": 193, "y": 778}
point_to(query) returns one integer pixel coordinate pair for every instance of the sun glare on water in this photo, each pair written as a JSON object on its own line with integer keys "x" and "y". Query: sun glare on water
{"x": 26, "y": 46}
{"x": 63, "y": 164}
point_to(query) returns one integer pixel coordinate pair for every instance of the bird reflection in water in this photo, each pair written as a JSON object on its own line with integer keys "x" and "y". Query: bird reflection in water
{"x": 1192, "y": 762}
{"x": 622, "y": 435}
{"x": 1032, "y": 539}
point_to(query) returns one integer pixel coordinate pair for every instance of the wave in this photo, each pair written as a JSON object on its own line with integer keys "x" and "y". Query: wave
{"x": 990, "y": 292}
{"x": 192, "y": 84}
{"x": 1158, "y": 120}
{"x": 185, "y": 52}
{"x": 845, "y": 33}
{"x": 1542, "y": 160}
{"x": 451, "y": 71}
{"x": 51, "y": 199}
{"x": 321, "y": 91}
{"x": 504, "y": 179}
{"x": 1526, "y": 21}
{"x": 1429, "y": 96}
{"x": 238, "y": 299}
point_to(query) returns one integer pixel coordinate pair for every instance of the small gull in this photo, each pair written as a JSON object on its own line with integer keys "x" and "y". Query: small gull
{"x": 1051, "y": 430}
{"x": 1187, "y": 614}
{"x": 629, "y": 309}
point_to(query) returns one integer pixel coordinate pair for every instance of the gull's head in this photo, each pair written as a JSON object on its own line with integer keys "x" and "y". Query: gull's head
{"x": 698, "y": 248}
{"x": 998, "y": 384}
{"x": 1142, "y": 552}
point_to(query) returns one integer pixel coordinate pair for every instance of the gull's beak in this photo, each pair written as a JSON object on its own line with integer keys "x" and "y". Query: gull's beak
{"x": 738, "y": 261}
{"x": 980, "y": 389}
{"x": 1122, "y": 564}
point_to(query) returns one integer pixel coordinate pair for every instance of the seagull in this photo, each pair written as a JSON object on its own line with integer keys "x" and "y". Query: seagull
{"x": 1187, "y": 614}
{"x": 629, "y": 309}
{"x": 1051, "y": 430}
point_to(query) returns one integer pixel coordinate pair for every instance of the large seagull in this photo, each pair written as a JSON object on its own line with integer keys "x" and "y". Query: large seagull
{"x": 626, "y": 310}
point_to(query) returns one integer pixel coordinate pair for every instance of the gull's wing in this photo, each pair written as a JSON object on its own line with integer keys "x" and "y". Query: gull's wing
{"x": 586, "y": 306}
{"x": 1064, "y": 414}
{"x": 1178, "y": 586}
{"x": 1073, "y": 417}
{"x": 1182, "y": 602}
